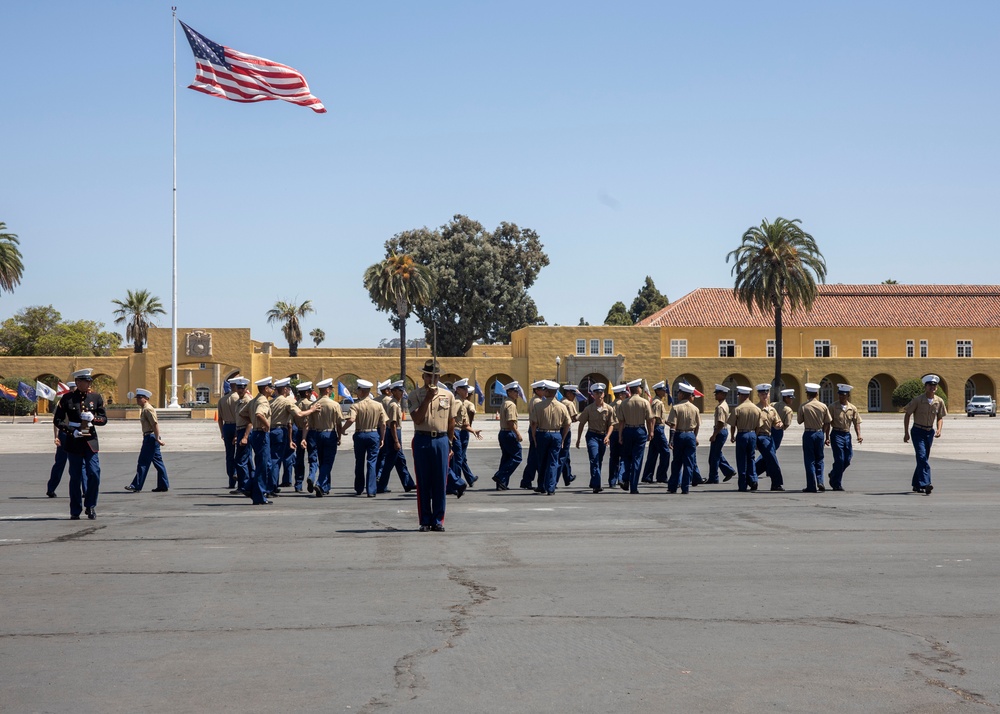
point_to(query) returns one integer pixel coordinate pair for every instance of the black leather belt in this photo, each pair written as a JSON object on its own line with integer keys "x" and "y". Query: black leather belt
{"x": 547, "y": 431}
{"x": 925, "y": 428}
{"x": 843, "y": 431}
{"x": 430, "y": 434}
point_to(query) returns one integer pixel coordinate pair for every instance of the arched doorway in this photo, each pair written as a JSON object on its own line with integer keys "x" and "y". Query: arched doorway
{"x": 733, "y": 381}
{"x": 44, "y": 406}
{"x": 106, "y": 386}
{"x": 449, "y": 379}
{"x": 979, "y": 384}
{"x": 408, "y": 384}
{"x": 828, "y": 388}
{"x": 592, "y": 378}
{"x": 789, "y": 381}
{"x": 880, "y": 389}
{"x": 694, "y": 382}
{"x": 495, "y": 394}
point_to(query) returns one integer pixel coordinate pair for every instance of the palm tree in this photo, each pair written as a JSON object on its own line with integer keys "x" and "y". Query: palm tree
{"x": 11, "y": 267}
{"x": 135, "y": 312}
{"x": 396, "y": 285}
{"x": 776, "y": 267}
{"x": 318, "y": 336}
{"x": 288, "y": 315}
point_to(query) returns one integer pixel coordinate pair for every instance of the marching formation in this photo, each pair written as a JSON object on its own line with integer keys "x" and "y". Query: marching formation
{"x": 274, "y": 440}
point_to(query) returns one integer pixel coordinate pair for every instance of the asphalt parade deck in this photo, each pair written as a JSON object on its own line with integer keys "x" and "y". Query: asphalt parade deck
{"x": 877, "y": 599}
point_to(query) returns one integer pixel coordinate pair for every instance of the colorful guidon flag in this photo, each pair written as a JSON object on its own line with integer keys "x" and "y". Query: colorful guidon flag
{"x": 224, "y": 72}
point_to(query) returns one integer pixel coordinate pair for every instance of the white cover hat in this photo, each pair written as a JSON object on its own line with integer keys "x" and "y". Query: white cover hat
{"x": 685, "y": 387}
{"x": 598, "y": 387}
{"x": 743, "y": 390}
{"x": 540, "y": 384}
{"x": 512, "y": 385}
{"x": 788, "y": 392}
{"x": 398, "y": 384}
{"x": 304, "y": 386}
{"x": 264, "y": 382}
{"x": 812, "y": 387}
{"x": 239, "y": 381}
{"x": 550, "y": 384}
{"x": 928, "y": 379}
{"x": 283, "y": 382}
{"x": 87, "y": 373}
{"x": 618, "y": 388}
{"x": 383, "y": 385}
{"x": 720, "y": 388}
{"x": 140, "y": 392}
{"x": 570, "y": 388}
{"x": 364, "y": 384}
{"x": 325, "y": 383}
{"x": 461, "y": 383}
{"x": 846, "y": 388}
{"x": 634, "y": 383}
{"x": 660, "y": 385}
{"x": 763, "y": 387}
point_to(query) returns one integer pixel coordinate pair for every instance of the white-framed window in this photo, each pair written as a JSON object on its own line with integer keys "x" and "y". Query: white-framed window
{"x": 727, "y": 348}
{"x": 770, "y": 348}
{"x": 963, "y": 348}
{"x": 821, "y": 348}
{"x": 609, "y": 347}
{"x": 910, "y": 348}
{"x": 827, "y": 393}
{"x": 678, "y": 348}
{"x": 581, "y": 347}
{"x": 201, "y": 395}
{"x": 869, "y": 348}
{"x": 923, "y": 348}
{"x": 875, "y": 395}
{"x": 595, "y": 347}
{"x": 201, "y": 365}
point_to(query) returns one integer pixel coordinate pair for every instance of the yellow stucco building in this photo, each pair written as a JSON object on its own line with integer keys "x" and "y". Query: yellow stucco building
{"x": 871, "y": 336}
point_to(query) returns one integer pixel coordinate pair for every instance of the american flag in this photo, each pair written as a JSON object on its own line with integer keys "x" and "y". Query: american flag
{"x": 224, "y": 72}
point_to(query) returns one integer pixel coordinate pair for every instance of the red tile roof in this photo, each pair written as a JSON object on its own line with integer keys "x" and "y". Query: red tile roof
{"x": 845, "y": 306}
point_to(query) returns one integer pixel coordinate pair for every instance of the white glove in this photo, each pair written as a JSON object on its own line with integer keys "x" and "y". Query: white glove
{"x": 77, "y": 434}
{"x": 86, "y": 416}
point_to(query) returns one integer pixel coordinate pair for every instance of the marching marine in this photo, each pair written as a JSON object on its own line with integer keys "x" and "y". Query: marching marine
{"x": 842, "y": 417}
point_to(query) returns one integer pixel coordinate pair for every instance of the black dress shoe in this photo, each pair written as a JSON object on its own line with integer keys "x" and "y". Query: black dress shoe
{"x": 928, "y": 488}
{"x": 75, "y": 518}
{"x": 598, "y": 489}
{"x": 309, "y": 485}
{"x": 92, "y": 513}
{"x": 647, "y": 480}
{"x": 918, "y": 489}
{"x": 274, "y": 492}
{"x": 820, "y": 487}
{"x": 424, "y": 529}
{"x": 370, "y": 495}
{"x": 753, "y": 486}
{"x": 130, "y": 488}
{"x": 809, "y": 490}
{"x": 727, "y": 478}
{"x": 836, "y": 488}
{"x": 538, "y": 489}
{"x": 50, "y": 494}
{"x": 623, "y": 486}
{"x": 160, "y": 490}
{"x": 777, "y": 488}
{"x": 460, "y": 491}
{"x": 438, "y": 528}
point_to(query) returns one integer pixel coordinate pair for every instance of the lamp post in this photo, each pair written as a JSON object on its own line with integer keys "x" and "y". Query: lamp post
{"x": 558, "y": 362}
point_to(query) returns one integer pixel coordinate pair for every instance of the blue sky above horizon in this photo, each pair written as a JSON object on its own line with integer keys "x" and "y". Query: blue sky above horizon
{"x": 650, "y": 135}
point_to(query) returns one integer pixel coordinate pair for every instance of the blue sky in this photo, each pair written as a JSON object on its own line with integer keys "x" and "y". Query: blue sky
{"x": 650, "y": 135}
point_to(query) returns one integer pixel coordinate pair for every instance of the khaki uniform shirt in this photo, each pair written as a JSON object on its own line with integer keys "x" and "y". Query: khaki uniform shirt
{"x": 303, "y": 405}
{"x": 598, "y": 419}
{"x": 531, "y": 408}
{"x": 745, "y": 417}
{"x": 368, "y": 415}
{"x": 394, "y": 413}
{"x": 281, "y": 411}
{"x": 438, "y": 413}
{"x": 768, "y": 419}
{"x": 814, "y": 414}
{"x": 721, "y": 414}
{"x": 260, "y": 406}
{"x": 684, "y": 416}
{"x": 549, "y": 415}
{"x": 926, "y": 413}
{"x": 147, "y": 418}
{"x": 328, "y": 417}
{"x": 659, "y": 411}
{"x": 243, "y": 411}
{"x": 464, "y": 411}
{"x": 844, "y": 415}
{"x": 786, "y": 414}
{"x": 227, "y": 407}
{"x": 571, "y": 407}
{"x": 636, "y": 410}
{"x": 508, "y": 413}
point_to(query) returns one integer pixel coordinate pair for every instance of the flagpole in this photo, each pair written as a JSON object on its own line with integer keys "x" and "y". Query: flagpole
{"x": 173, "y": 327}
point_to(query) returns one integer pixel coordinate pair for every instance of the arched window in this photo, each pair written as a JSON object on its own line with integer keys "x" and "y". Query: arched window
{"x": 201, "y": 395}
{"x": 874, "y": 396}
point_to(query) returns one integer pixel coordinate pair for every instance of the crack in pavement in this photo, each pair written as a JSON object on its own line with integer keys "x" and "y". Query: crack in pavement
{"x": 75, "y": 535}
{"x": 409, "y": 682}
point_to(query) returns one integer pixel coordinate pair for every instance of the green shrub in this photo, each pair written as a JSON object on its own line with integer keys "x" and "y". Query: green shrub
{"x": 20, "y": 406}
{"x": 905, "y": 392}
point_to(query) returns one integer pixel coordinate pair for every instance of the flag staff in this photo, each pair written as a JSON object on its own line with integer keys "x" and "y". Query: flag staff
{"x": 173, "y": 309}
